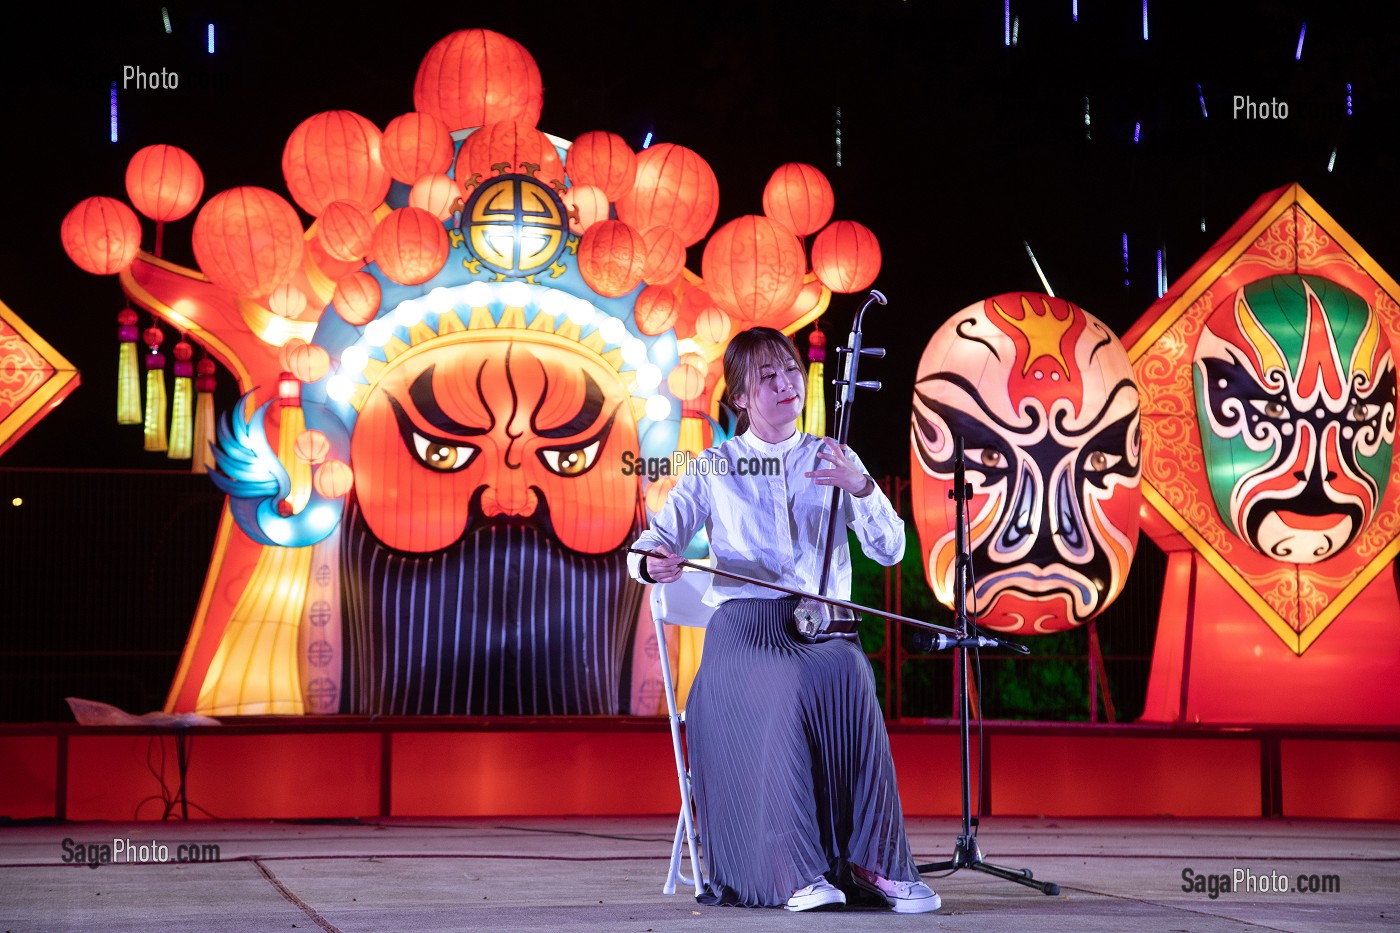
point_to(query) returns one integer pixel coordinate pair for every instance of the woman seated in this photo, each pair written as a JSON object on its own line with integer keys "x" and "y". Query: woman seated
{"x": 794, "y": 784}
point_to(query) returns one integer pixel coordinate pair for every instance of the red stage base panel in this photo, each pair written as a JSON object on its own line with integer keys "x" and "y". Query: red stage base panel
{"x": 308, "y": 768}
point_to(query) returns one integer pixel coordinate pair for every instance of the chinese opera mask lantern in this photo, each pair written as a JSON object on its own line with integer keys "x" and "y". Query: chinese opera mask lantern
{"x": 491, "y": 511}
{"x": 1295, "y": 398}
{"x": 1043, "y": 397}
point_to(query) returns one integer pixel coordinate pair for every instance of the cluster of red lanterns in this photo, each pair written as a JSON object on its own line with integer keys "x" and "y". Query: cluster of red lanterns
{"x": 635, "y": 212}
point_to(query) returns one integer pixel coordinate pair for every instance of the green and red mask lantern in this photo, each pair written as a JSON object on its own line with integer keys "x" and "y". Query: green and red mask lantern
{"x": 1043, "y": 397}
{"x": 1295, "y": 399}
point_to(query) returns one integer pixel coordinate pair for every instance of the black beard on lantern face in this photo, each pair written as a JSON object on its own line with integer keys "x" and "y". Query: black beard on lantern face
{"x": 504, "y": 621}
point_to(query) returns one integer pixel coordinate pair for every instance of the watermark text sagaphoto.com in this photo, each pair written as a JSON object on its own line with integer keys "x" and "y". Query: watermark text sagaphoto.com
{"x": 1248, "y": 881}
{"x": 681, "y": 462}
{"x": 125, "y": 851}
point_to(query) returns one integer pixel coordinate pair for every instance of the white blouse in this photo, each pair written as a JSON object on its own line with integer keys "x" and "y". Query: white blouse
{"x": 770, "y": 526}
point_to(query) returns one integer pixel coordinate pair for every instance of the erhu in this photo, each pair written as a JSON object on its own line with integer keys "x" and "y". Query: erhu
{"x": 822, "y": 618}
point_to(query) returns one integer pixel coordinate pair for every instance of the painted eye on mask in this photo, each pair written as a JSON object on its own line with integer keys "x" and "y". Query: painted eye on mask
{"x": 441, "y": 457}
{"x": 570, "y": 461}
{"x": 1270, "y": 408}
{"x": 1362, "y": 411}
{"x": 1099, "y": 461}
{"x": 990, "y": 457}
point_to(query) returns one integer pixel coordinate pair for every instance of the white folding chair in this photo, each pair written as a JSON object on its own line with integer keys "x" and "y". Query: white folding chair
{"x": 679, "y": 603}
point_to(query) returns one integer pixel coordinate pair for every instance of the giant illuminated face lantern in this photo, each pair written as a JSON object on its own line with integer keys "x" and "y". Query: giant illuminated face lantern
{"x": 1295, "y": 397}
{"x": 1044, "y": 399}
{"x": 485, "y": 548}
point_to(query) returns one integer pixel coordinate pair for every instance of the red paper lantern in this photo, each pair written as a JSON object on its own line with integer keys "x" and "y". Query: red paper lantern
{"x": 307, "y": 361}
{"x": 752, "y": 268}
{"x": 334, "y": 156}
{"x": 656, "y": 310}
{"x": 610, "y": 258}
{"x": 248, "y": 240}
{"x": 438, "y": 194}
{"x": 713, "y": 325}
{"x": 415, "y": 144}
{"x": 333, "y": 479}
{"x": 357, "y": 298}
{"x": 846, "y": 257}
{"x": 602, "y": 159}
{"x": 589, "y": 203}
{"x": 287, "y": 300}
{"x": 521, "y": 148}
{"x": 686, "y": 382}
{"x": 101, "y": 235}
{"x": 664, "y": 257}
{"x": 311, "y": 447}
{"x": 674, "y": 186}
{"x": 410, "y": 246}
{"x": 345, "y": 230}
{"x": 164, "y": 182}
{"x": 799, "y": 197}
{"x": 474, "y": 77}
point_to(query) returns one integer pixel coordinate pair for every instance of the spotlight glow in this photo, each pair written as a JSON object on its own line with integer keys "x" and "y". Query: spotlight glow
{"x": 439, "y": 300}
{"x": 581, "y": 312}
{"x": 1298, "y": 55}
{"x": 515, "y": 294}
{"x": 353, "y": 359}
{"x": 634, "y": 351}
{"x": 1200, "y": 96}
{"x": 379, "y": 331}
{"x": 476, "y": 295}
{"x": 114, "y": 111}
{"x": 647, "y": 141}
{"x": 613, "y": 330}
{"x": 408, "y": 313}
{"x": 211, "y": 38}
{"x": 658, "y": 408}
{"x": 340, "y": 388}
{"x": 1333, "y": 160}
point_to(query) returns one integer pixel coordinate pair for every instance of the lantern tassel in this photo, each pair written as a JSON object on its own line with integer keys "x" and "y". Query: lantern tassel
{"x": 182, "y": 407}
{"x": 815, "y": 413}
{"x": 128, "y": 371}
{"x": 156, "y": 439}
{"x": 202, "y": 456}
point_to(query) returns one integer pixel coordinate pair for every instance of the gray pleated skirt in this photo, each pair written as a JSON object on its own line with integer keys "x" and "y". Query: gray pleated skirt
{"x": 791, "y": 762}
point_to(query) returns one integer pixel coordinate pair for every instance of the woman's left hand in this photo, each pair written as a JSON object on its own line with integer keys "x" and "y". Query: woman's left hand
{"x": 843, "y": 471}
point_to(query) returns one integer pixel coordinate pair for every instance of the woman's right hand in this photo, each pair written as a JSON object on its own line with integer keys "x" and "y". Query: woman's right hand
{"x": 664, "y": 569}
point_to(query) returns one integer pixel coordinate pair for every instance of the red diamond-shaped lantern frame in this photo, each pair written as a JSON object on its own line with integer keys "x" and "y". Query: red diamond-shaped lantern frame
{"x": 34, "y": 378}
{"x": 1285, "y": 232}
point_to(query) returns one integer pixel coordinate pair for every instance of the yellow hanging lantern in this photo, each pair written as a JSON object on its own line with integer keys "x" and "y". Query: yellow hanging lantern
{"x": 128, "y": 379}
{"x": 203, "y": 416}
{"x": 814, "y": 415}
{"x": 182, "y": 408}
{"x": 155, "y": 391}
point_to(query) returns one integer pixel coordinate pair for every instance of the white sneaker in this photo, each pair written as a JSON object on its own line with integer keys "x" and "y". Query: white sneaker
{"x": 904, "y": 897}
{"x": 816, "y": 894}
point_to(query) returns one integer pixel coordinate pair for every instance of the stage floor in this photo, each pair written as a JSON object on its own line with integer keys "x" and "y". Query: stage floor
{"x": 605, "y": 874}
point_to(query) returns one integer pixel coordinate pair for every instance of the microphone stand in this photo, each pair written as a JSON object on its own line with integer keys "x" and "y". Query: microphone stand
{"x": 966, "y": 854}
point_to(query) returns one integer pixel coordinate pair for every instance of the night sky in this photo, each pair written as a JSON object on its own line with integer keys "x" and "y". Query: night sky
{"x": 956, "y": 147}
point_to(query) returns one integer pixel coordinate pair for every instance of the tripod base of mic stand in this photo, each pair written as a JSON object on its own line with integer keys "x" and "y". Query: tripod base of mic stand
{"x": 967, "y": 855}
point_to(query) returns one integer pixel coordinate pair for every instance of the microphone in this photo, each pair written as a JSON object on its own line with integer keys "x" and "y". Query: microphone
{"x": 942, "y": 642}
